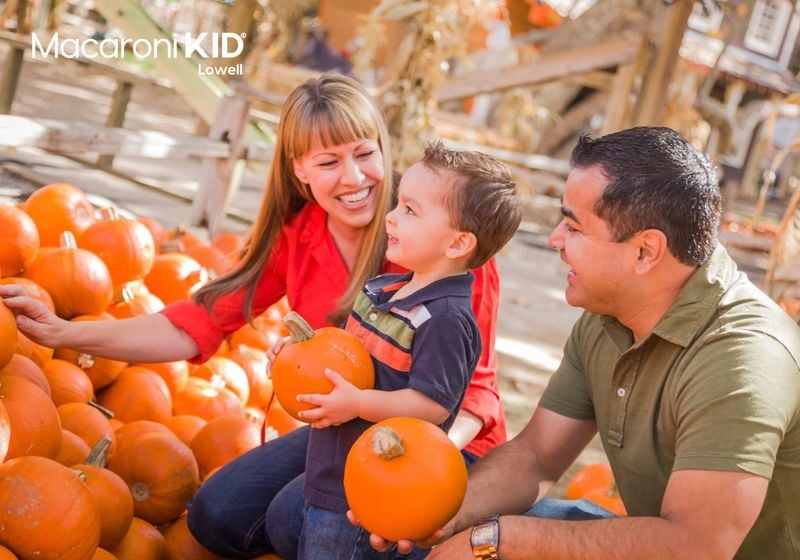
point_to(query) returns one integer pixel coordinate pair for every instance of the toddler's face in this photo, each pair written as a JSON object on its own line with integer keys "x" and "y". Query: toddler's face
{"x": 419, "y": 227}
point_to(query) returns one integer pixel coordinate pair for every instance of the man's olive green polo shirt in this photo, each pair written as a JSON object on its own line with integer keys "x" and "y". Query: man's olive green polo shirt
{"x": 715, "y": 386}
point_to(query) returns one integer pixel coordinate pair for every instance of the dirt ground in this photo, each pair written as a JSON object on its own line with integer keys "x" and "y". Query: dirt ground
{"x": 534, "y": 317}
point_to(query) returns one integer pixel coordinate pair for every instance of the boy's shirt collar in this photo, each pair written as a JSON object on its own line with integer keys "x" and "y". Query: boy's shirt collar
{"x": 381, "y": 288}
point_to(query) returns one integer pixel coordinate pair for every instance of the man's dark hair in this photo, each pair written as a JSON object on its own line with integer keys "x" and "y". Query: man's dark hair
{"x": 657, "y": 180}
{"x": 483, "y": 199}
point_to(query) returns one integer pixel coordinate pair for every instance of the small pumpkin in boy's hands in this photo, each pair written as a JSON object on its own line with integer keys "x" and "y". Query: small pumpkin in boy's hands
{"x": 299, "y": 367}
{"x": 404, "y": 479}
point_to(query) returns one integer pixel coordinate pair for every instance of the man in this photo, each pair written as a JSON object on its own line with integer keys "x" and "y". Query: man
{"x": 688, "y": 372}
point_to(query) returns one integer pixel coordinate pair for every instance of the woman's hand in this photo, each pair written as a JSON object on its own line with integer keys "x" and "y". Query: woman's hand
{"x": 34, "y": 319}
{"x": 403, "y": 546}
{"x": 274, "y": 351}
{"x": 337, "y": 407}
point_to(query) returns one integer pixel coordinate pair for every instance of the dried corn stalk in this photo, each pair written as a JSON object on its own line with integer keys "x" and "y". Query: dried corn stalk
{"x": 281, "y": 30}
{"x": 435, "y": 31}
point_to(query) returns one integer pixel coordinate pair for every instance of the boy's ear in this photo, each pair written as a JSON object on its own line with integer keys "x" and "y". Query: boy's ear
{"x": 462, "y": 245}
{"x": 299, "y": 172}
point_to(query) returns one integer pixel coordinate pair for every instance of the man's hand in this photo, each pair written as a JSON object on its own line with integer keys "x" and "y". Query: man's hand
{"x": 33, "y": 317}
{"x": 337, "y": 407}
{"x": 403, "y": 546}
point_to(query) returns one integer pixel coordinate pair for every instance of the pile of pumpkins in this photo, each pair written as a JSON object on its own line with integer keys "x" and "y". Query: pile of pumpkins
{"x": 99, "y": 458}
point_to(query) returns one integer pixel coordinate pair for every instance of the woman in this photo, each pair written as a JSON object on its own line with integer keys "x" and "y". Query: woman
{"x": 318, "y": 237}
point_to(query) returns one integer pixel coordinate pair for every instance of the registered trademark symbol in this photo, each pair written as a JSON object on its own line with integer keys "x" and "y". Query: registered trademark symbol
{"x": 243, "y": 35}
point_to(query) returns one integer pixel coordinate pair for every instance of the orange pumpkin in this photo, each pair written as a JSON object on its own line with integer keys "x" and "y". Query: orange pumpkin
{"x": 24, "y": 367}
{"x": 132, "y": 431}
{"x": 101, "y": 371}
{"x": 254, "y": 364}
{"x": 102, "y": 554}
{"x": 175, "y": 276}
{"x": 5, "y": 432}
{"x": 6, "y": 554}
{"x": 595, "y": 482}
{"x": 19, "y": 240}
{"x": 254, "y": 337}
{"x": 34, "y": 290}
{"x": 162, "y": 474}
{"x": 47, "y": 511}
{"x": 36, "y": 352}
{"x": 224, "y": 372}
{"x": 85, "y": 421}
{"x": 543, "y": 15}
{"x": 280, "y": 421}
{"x": 35, "y": 426}
{"x": 182, "y": 544}
{"x": 113, "y": 498}
{"x": 125, "y": 245}
{"x": 228, "y": 242}
{"x": 186, "y": 426}
{"x": 76, "y": 279}
{"x": 141, "y": 542}
{"x": 210, "y": 257}
{"x": 156, "y": 230}
{"x": 223, "y": 439}
{"x": 202, "y": 399}
{"x": 300, "y": 366}
{"x": 73, "y": 449}
{"x": 68, "y": 382}
{"x": 138, "y": 394}
{"x": 174, "y": 374}
{"x": 404, "y": 479}
{"x": 8, "y": 335}
{"x": 57, "y": 208}
{"x": 135, "y": 304}
{"x": 588, "y": 478}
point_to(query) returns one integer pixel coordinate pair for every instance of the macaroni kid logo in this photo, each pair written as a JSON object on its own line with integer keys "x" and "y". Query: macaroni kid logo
{"x": 182, "y": 45}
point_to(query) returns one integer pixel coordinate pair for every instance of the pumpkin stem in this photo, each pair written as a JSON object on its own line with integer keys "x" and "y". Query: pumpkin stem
{"x": 85, "y": 361}
{"x": 97, "y": 457}
{"x": 386, "y": 443}
{"x": 106, "y": 412}
{"x": 109, "y": 213}
{"x": 67, "y": 240}
{"x": 299, "y": 329}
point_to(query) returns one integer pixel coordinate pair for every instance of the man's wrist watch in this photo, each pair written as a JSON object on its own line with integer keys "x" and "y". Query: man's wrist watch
{"x": 485, "y": 538}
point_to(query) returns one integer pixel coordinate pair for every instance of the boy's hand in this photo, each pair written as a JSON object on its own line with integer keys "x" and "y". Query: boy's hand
{"x": 274, "y": 351}
{"x": 403, "y": 546}
{"x": 337, "y": 407}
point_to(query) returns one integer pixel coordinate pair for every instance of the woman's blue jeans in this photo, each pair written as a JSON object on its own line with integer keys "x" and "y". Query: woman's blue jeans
{"x": 228, "y": 513}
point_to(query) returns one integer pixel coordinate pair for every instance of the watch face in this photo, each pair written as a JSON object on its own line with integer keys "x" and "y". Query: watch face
{"x": 484, "y": 534}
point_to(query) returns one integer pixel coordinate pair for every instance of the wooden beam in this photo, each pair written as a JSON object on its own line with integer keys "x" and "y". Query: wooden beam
{"x": 78, "y": 137}
{"x": 531, "y": 161}
{"x": 556, "y": 66}
{"x": 221, "y": 177}
{"x": 656, "y": 80}
{"x": 116, "y": 118}
{"x": 10, "y": 78}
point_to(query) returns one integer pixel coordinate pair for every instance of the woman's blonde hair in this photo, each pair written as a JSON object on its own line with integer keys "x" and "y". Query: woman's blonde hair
{"x": 325, "y": 111}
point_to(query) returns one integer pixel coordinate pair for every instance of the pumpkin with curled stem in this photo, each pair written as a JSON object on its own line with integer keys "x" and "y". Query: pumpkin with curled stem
{"x": 299, "y": 367}
{"x": 404, "y": 479}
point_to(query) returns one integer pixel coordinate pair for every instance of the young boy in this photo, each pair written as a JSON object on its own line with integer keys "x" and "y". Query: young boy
{"x": 455, "y": 210}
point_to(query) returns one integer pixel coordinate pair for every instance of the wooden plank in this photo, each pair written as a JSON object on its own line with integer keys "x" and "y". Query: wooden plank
{"x": 79, "y": 137}
{"x": 116, "y": 118}
{"x": 656, "y": 79}
{"x": 531, "y": 161}
{"x": 556, "y": 66}
{"x": 618, "y": 101}
{"x": 221, "y": 177}
{"x": 10, "y": 78}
